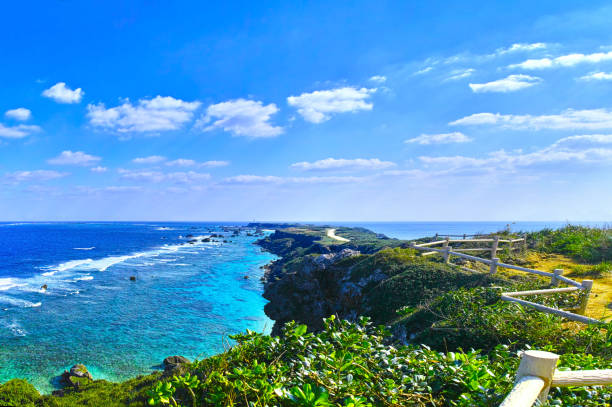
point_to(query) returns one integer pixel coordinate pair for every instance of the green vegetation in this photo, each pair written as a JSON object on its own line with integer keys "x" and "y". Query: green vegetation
{"x": 586, "y": 244}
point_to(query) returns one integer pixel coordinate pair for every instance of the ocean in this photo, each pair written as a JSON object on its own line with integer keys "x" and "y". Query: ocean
{"x": 185, "y": 300}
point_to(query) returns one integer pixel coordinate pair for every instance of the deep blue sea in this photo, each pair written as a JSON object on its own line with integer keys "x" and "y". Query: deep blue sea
{"x": 185, "y": 299}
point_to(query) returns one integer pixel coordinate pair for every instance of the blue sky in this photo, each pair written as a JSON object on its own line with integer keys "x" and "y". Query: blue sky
{"x": 386, "y": 110}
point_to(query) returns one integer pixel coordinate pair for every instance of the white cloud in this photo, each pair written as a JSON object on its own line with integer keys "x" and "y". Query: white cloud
{"x": 98, "y": 169}
{"x": 521, "y": 47}
{"x": 271, "y": 179}
{"x": 19, "y": 131}
{"x": 185, "y": 162}
{"x": 158, "y": 176}
{"x": 424, "y": 70}
{"x": 564, "y": 61}
{"x": 162, "y": 113}
{"x": 152, "y": 159}
{"x": 331, "y": 164}
{"x": 597, "y": 76}
{"x": 74, "y": 158}
{"x": 444, "y": 138}
{"x": 181, "y": 162}
{"x": 214, "y": 163}
{"x": 33, "y": 176}
{"x": 21, "y": 113}
{"x": 378, "y": 78}
{"x": 457, "y": 74}
{"x": 593, "y": 119}
{"x": 585, "y": 149}
{"x": 320, "y": 105}
{"x": 510, "y": 84}
{"x": 241, "y": 117}
{"x": 63, "y": 94}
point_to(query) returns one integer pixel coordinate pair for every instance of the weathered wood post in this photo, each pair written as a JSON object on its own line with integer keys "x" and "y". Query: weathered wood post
{"x": 533, "y": 378}
{"x": 554, "y": 281}
{"x": 446, "y": 242}
{"x": 586, "y": 286}
{"x": 447, "y": 252}
{"x": 494, "y": 247}
{"x": 493, "y": 268}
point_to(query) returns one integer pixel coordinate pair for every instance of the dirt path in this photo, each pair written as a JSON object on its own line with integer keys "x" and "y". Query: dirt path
{"x": 600, "y": 301}
{"x": 332, "y": 234}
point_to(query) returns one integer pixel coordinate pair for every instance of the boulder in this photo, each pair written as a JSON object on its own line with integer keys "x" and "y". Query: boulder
{"x": 77, "y": 375}
{"x": 172, "y": 363}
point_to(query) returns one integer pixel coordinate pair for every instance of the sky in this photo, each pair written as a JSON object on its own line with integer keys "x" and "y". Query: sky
{"x": 306, "y": 110}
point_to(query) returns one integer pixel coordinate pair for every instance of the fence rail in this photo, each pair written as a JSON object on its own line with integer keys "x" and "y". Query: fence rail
{"x": 537, "y": 374}
{"x": 556, "y": 276}
{"x": 537, "y": 370}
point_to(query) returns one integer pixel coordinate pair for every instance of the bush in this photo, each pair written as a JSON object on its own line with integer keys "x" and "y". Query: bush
{"x": 587, "y": 244}
{"x": 353, "y": 365}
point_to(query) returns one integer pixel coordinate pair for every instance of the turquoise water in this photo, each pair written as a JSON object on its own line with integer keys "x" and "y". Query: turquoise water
{"x": 185, "y": 299}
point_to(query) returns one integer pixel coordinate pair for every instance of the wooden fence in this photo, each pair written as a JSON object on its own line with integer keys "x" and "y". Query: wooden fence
{"x": 494, "y": 263}
{"x": 537, "y": 374}
{"x": 537, "y": 370}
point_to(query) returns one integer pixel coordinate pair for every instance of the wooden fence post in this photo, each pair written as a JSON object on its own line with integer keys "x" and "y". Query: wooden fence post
{"x": 493, "y": 268}
{"x": 586, "y": 286}
{"x": 553, "y": 280}
{"x": 535, "y": 372}
{"x": 446, "y": 241}
{"x": 447, "y": 251}
{"x": 494, "y": 247}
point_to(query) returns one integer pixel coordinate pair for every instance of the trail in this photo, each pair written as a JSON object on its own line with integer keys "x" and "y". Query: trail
{"x": 332, "y": 234}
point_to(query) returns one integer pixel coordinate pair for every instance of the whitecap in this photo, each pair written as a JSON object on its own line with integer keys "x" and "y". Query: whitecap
{"x": 8, "y": 283}
{"x": 84, "y": 248}
{"x": 17, "y": 302}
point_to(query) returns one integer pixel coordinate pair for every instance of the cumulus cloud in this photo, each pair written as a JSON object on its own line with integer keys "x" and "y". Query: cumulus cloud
{"x": 74, "y": 158}
{"x": 98, "y": 169}
{"x": 63, "y": 94}
{"x": 570, "y": 119}
{"x": 568, "y": 60}
{"x": 443, "y": 138}
{"x": 510, "y": 84}
{"x": 21, "y": 113}
{"x": 162, "y": 113}
{"x": 178, "y": 177}
{"x": 320, "y": 105}
{"x": 335, "y": 164}
{"x": 597, "y": 76}
{"x": 19, "y": 131}
{"x": 33, "y": 176}
{"x": 585, "y": 149}
{"x": 378, "y": 78}
{"x": 271, "y": 179}
{"x": 241, "y": 117}
{"x": 152, "y": 159}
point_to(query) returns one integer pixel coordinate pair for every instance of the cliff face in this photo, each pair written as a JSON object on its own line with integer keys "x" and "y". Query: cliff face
{"x": 312, "y": 280}
{"x": 314, "y": 287}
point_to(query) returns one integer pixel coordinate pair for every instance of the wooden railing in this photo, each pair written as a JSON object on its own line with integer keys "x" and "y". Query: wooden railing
{"x": 537, "y": 370}
{"x": 537, "y": 374}
{"x": 494, "y": 263}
